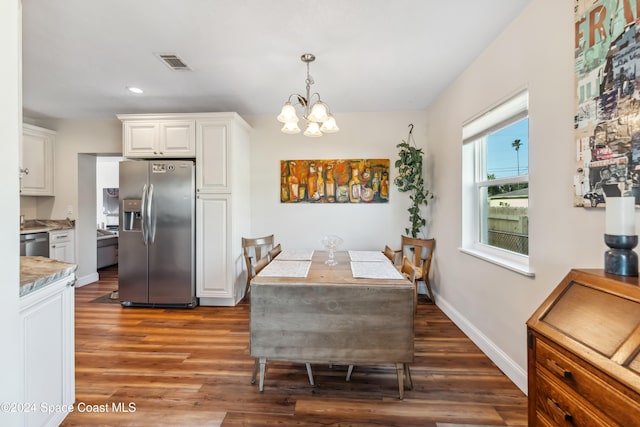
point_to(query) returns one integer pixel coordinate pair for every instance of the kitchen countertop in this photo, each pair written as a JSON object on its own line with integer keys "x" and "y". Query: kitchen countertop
{"x": 43, "y": 225}
{"x": 37, "y": 272}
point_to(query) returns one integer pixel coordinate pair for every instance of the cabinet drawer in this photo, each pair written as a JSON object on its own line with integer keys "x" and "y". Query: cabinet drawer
{"x": 60, "y": 236}
{"x": 564, "y": 407}
{"x": 597, "y": 391}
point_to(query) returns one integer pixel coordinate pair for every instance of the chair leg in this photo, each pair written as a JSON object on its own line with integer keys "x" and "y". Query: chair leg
{"x": 263, "y": 369}
{"x": 407, "y": 374}
{"x": 246, "y": 289}
{"x": 428, "y": 283}
{"x": 310, "y": 374}
{"x": 400, "y": 372}
{"x": 256, "y": 364}
{"x": 349, "y": 372}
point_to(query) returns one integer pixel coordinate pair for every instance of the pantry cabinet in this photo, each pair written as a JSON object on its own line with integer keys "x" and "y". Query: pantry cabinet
{"x": 157, "y": 136}
{"x": 36, "y": 161}
{"x": 222, "y": 207}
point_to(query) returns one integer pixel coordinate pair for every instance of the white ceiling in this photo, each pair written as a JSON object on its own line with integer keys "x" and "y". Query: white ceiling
{"x": 372, "y": 55}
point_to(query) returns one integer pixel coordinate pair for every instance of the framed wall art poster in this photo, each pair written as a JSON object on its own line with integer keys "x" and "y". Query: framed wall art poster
{"x": 334, "y": 181}
{"x": 607, "y": 101}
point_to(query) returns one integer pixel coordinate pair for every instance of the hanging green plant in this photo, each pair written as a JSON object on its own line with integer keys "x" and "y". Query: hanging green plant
{"x": 409, "y": 180}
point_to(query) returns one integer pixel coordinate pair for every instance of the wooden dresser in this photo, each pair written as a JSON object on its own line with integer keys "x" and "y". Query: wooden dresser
{"x": 584, "y": 353}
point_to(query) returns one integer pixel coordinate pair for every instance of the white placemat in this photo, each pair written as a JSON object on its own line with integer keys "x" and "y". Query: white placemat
{"x": 295, "y": 255}
{"x": 367, "y": 256}
{"x": 374, "y": 270}
{"x": 278, "y": 268}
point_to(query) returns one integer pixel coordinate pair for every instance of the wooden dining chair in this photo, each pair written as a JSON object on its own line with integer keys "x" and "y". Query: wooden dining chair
{"x": 256, "y": 254}
{"x": 420, "y": 251}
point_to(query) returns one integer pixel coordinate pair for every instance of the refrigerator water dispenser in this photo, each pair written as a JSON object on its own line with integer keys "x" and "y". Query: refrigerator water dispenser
{"x": 132, "y": 215}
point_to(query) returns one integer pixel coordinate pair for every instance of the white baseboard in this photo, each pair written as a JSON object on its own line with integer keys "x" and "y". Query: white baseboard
{"x": 85, "y": 280}
{"x": 217, "y": 302}
{"x": 512, "y": 370}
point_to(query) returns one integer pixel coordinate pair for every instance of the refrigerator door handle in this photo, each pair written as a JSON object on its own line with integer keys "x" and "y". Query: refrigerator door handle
{"x": 151, "y": 217}
{"x": 143, "y": 221}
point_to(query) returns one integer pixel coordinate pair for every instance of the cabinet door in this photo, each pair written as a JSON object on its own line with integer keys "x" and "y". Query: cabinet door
{"x": 37, "y": 162}
{"x": 212, "y": 152}
{"x": 177, "y": 138}
{"x": 48, "y": 342}
{"x": 141, "y": 138}
{"x": 212, "y": 247}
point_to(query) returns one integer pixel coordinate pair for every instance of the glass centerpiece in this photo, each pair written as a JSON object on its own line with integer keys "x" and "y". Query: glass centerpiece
{"x": 331, "y": 242}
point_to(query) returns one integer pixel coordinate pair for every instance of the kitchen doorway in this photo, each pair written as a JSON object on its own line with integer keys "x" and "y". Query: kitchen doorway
{"x": 107, "y": 211}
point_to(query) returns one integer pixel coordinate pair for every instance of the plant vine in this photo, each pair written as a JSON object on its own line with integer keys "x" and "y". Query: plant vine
{"x": 409, "y": 180}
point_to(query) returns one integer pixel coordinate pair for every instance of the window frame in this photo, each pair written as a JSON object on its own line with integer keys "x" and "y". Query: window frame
{"x": 474, "y": 172}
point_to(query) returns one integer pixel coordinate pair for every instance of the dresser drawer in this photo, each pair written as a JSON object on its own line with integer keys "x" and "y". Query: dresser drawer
{"x": 563, "y": 407}
{"x": 597, "y": 391}
{"x": 542, "y": 420}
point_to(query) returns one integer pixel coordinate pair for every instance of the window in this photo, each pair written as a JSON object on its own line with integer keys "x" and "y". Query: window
{"x": 496, "y": 185}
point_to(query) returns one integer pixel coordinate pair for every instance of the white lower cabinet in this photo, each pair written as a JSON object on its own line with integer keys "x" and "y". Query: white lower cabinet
{"x": 47, "y": 322}
{"x": 62, "y": 245}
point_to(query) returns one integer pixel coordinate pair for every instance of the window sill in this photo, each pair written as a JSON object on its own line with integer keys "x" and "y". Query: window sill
{"x": 513, "y": 262}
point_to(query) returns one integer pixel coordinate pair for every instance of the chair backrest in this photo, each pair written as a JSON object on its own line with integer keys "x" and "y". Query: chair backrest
{"x": 411, "y": 272}
{"x": 420, "y": 251}
{"x": 390, "y": 253}
{"x": 408, "y": 269}
{"x": 256, "y": 255}
{"x": 275, "y": 252}
{"x": 257, "y": 247}
{"x": 260, "y": 264}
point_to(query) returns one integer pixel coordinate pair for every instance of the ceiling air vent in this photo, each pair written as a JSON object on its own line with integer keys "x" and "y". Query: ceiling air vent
{"x": 172, "y": 61}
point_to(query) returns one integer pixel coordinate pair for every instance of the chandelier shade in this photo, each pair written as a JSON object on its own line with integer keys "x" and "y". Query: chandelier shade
{"x": 291, "y": 128}
{"x": 314, "y": 111}
{"x": 288, "y": 114}
{"x": 313, "y": 130}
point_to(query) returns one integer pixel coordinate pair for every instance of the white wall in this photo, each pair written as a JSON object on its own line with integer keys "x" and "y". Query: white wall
{"x": 489, "y": 303}
{"x": 12, "y": 372}
{"x": 77, "y": 144}
{"x": 362, "y": 135}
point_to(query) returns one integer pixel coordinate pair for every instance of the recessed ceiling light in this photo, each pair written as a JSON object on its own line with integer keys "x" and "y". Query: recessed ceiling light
{"x": 135, "y": 89}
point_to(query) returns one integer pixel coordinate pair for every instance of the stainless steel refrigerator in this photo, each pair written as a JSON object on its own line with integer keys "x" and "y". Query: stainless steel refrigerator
{"x": 156, "y": 253}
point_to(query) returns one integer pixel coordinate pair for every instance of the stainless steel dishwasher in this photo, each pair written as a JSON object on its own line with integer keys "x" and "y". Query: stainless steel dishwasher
{"x": 34, "y": 244}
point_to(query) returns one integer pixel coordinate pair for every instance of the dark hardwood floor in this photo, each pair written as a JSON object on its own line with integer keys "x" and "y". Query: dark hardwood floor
{"x": 172, "y": 367}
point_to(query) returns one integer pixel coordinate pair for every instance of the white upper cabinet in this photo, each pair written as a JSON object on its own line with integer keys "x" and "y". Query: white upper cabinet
{"x": 158, "y": 137}
{"x": 222, "y": 153}
{"x": 36, "y": 161}
{"x": 212, "y": 147}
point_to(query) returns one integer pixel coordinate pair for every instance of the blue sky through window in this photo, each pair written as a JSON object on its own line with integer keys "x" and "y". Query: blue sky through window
{"x": 502, "y": 159}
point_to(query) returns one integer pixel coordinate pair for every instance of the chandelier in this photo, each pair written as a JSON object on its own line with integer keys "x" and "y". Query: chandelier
{"x": 315, "y": 112}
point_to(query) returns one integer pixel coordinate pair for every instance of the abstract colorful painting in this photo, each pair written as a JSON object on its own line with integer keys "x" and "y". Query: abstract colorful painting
{"x": 607, "y": 100}
{"x": 334, "y": 181}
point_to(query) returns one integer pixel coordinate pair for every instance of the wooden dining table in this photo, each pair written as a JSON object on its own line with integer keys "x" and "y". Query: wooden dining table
{"x": 330, "y": 316}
